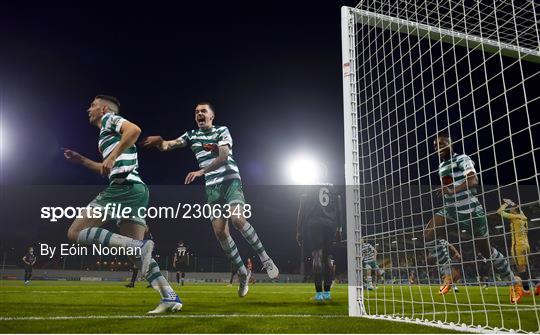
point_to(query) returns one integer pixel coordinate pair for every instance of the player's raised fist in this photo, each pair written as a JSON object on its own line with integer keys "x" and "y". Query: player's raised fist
{"x": 72, "y": 156}
{"x": 152, "y": 142}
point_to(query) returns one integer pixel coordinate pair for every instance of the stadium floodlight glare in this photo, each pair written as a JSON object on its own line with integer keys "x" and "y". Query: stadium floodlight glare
{"x": 303, "y": 169}
{"x": 4, "y": 138}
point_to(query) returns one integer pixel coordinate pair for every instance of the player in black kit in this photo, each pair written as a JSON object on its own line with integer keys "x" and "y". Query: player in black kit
{"x": 29, "y": 260}
{"x": 320, "y": 216}
{"x": 134, "y": 269}
{"x": 180, "y": 261}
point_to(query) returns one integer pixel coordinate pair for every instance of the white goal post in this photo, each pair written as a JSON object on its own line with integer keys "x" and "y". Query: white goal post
{"x": 413, "y": 69}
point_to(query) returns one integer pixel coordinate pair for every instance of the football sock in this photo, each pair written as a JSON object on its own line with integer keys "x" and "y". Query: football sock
{"x": 525, "y": 279}
{"x": 178, "y": 278}
{"x": 369, "y": 280}
{"x": 440, "y": 252}
{"x": 231, "y": 251}
{"x": 134, "y": 275}
{"x": 158, "y": 281}
{"x": 104, "y": 237}
{"x": 253, "y": 239}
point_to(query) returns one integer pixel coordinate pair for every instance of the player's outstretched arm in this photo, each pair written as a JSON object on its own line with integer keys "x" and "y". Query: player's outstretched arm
{"x": 161, "y": 144}
{"x": 130, "y": 133}
{"x": 77, "y": 158}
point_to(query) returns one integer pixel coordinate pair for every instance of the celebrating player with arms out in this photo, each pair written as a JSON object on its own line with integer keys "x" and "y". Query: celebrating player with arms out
{"x": 461, "y": 205}
{"x": 519, "y": 226}
{"x": 117, "y": 139}
{"x": 212, "y": 146}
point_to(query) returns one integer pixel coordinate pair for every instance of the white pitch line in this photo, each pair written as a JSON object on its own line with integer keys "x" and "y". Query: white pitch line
{"x": 179, "y": 316}
{"x": 127, "y": 291}
{"x": 189, "y": 316}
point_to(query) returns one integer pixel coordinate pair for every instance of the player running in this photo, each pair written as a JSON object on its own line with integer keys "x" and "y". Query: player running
{"x": 29, "y": 260}
{"x": 459, "y": 181}
{"x": 116, "y": 144}
{"x": 180, "y": 262}
{"x": 519, "y": 227}
{"x": 369, "y": 261}
{"x": 212, "y": 146}
{"x": 320, "y": 213}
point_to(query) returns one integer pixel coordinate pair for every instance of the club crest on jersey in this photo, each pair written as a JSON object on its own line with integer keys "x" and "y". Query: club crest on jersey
{"x": 211, "y": 147}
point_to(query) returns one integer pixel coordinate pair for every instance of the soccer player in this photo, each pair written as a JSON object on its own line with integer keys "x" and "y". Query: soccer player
{"x": 519, "y": 226}
{"x": 459, "y": 181}
{"x": 370, "y": 264}
{"x": 29, "y": 260}
{"x": 212, "y": 146}
{"x": 320, "y": 213}
{"x": 412, "y": 277}
{"x": 233, "y": 273}
{"x": 117, "y": 137}
{"x": 249, "y": 266}
{"x": 443, "y": 252}
{"x": 180, "y": 262}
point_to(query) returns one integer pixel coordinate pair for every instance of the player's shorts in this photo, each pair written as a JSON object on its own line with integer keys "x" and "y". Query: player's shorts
{"x": 520, "y": 250}
{"x": 320, "y": 236}
{"x": 474, "y": 223}
{"x": 28, "y": 268}
{"x": 134, "y": 196}
{"x": 228, "y": 192}
{"x": 371, "y": 265}
{"x": 180, "y": 268}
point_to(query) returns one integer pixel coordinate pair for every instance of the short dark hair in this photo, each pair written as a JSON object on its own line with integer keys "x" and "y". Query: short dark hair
{"x": 209, "y": 105}
{"x": 109, "y": 98}
{"x": 443, "y": 134}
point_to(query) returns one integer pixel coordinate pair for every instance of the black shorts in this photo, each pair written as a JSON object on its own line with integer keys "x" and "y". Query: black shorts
{"x": 28, "y": 268}
{"x": 320, "y": 236}
{"x": 180, "y": 268}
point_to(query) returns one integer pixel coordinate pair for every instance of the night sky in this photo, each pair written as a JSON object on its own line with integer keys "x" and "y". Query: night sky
{"x": 273, "y": 74}
{"x": 272, "y": 71}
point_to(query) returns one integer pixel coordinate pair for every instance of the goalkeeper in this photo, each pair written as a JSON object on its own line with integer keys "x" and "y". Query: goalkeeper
{"x": 519, "y": 227}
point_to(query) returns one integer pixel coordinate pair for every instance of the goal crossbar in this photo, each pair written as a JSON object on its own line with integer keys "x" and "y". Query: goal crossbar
{"x": 446, "y": 35}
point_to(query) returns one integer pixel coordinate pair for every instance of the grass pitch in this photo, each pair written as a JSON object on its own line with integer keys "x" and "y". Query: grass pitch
{"x": 104, "y": 307}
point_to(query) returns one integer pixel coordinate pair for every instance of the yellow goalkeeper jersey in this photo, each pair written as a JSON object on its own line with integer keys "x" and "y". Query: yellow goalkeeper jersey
{"x": 519, "y": 225}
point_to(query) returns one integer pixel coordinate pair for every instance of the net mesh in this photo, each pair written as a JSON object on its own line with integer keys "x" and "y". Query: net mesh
{"x": 407, "y": 85}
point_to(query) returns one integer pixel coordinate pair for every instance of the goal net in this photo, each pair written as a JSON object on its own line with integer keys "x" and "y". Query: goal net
{"x": 442, "y": 134}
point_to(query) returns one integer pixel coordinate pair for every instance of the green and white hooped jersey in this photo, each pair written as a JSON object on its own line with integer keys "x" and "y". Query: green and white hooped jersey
{"x": 205, "y": 145}
{"x": 368, "y": 252}
{"x": 452, "y": 173}
{"x": 125, "y": 168}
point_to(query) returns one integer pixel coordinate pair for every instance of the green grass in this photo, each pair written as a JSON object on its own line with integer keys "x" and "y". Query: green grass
{"x": 90, "y": 307}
